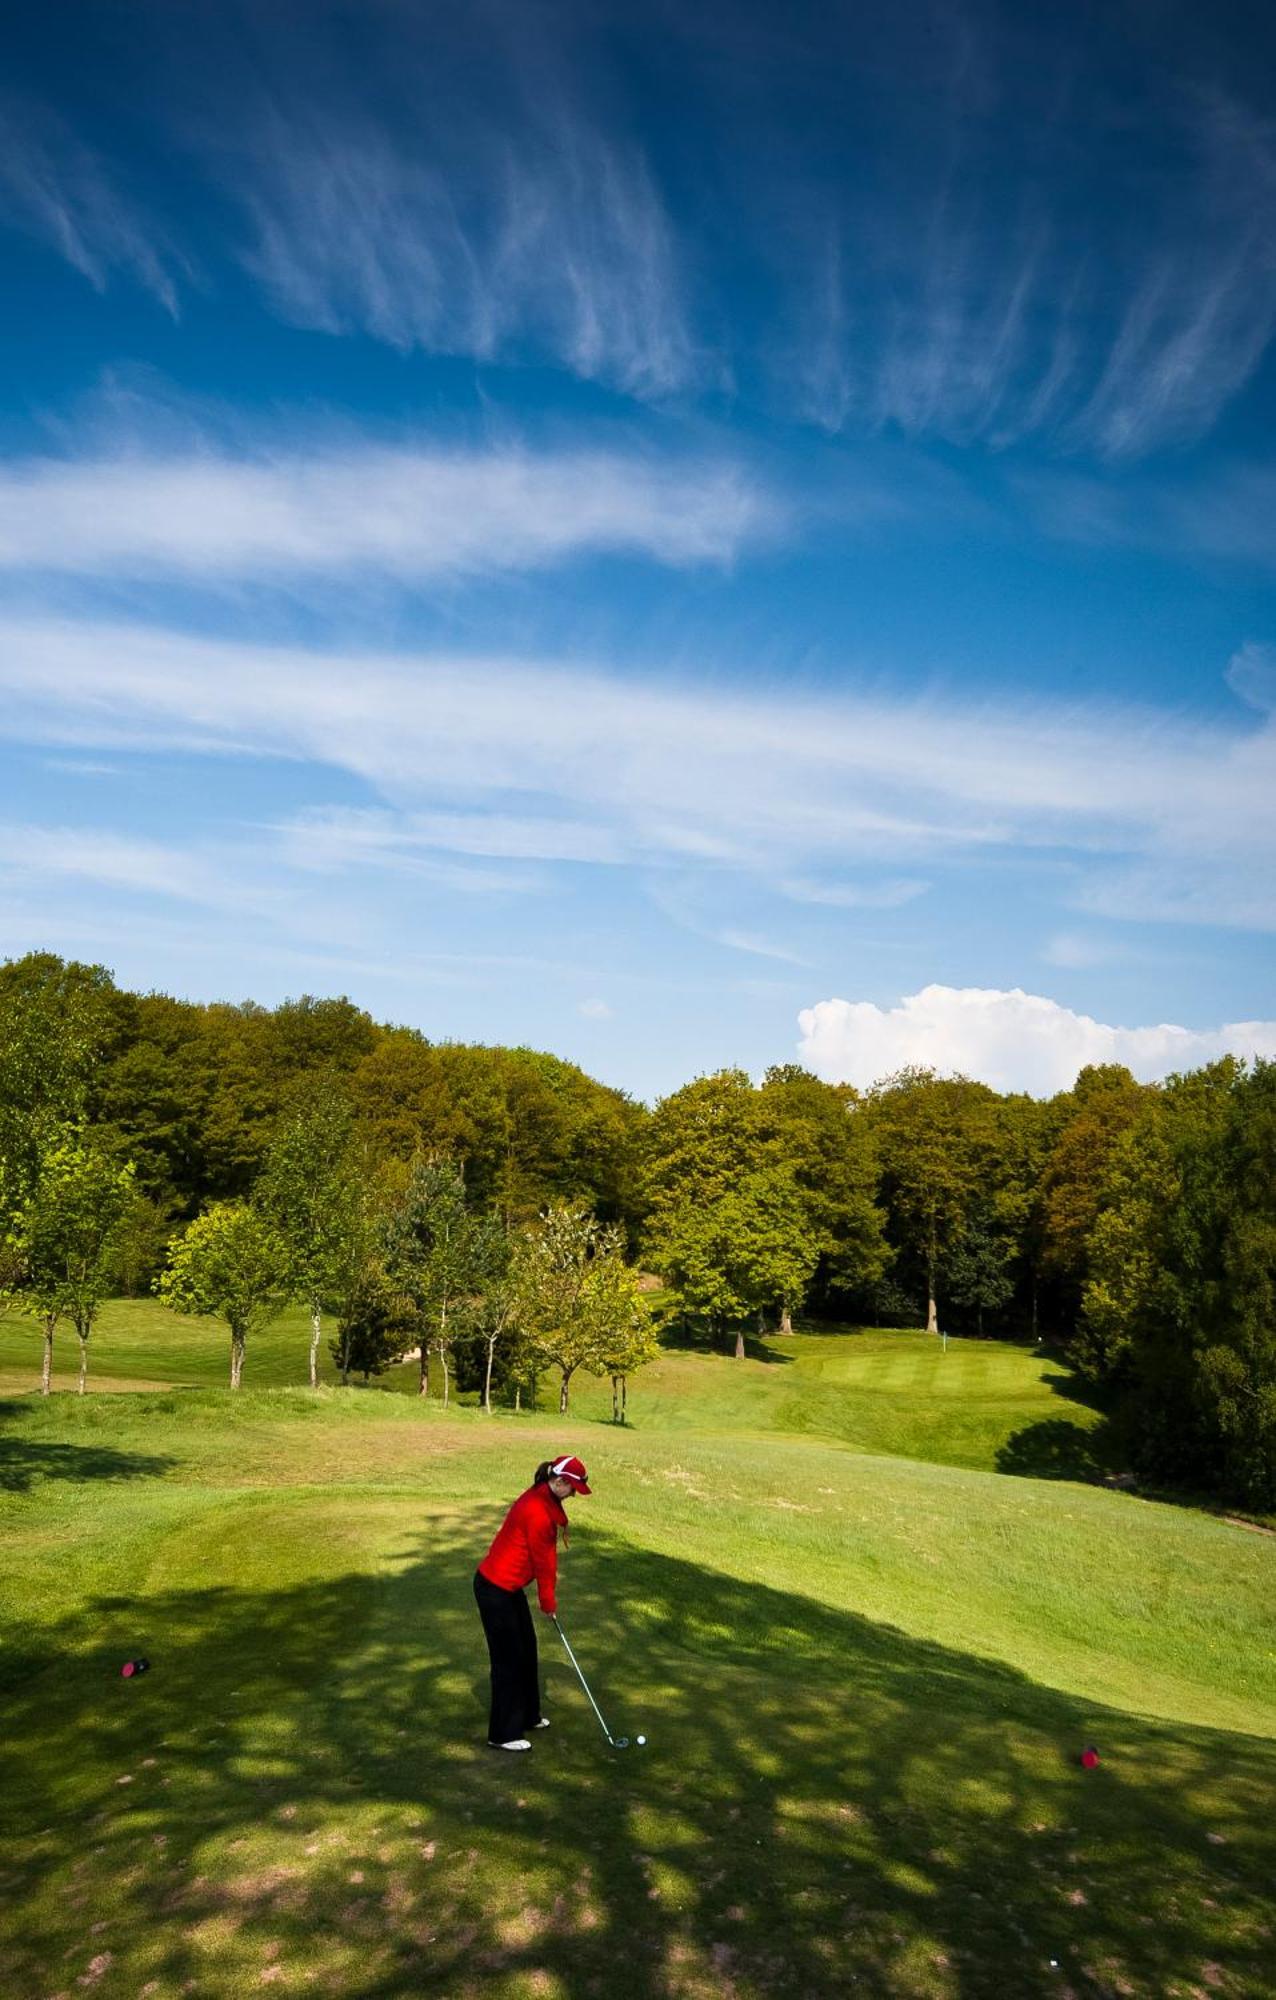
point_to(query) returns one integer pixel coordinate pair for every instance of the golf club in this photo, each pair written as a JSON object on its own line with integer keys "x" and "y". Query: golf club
{"x": 617, "y": 1742}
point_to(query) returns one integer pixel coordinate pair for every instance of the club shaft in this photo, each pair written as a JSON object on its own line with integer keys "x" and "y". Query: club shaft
{"x": 584, "y": 1683}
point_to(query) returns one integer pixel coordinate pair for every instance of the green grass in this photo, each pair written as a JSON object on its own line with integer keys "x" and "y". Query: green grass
{"x": 865, "y": 1669}
{"x": 981, "y": 1404}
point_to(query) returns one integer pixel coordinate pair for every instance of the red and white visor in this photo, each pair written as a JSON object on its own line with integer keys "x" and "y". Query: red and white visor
{"x": 570, "y": 1468}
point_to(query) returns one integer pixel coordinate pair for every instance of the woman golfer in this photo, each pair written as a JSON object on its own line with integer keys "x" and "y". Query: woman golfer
{"x": 526, "y": 1547}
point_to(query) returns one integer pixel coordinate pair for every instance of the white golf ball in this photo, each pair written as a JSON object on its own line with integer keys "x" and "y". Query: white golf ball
{"x": 642, "y": 1739}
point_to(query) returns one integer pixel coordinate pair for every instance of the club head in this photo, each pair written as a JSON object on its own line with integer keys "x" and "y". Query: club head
{"x": 620, "y": 1742}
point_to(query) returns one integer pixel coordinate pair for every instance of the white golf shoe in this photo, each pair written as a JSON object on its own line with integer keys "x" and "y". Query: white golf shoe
{"x": 519, "y": 1743}
{"x": 542, "y": 1724}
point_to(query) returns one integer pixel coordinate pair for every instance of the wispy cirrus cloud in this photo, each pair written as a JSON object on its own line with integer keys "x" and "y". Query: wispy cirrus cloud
{"x": 54, "y": 186}
{"x": 1251, "y": 674}
{"x": 402, "y": 512}
{"x": 1010, "y": 1039}
{"x": 1005, "y": 293}
{"x": 772, "y": 787}
{"x": 1222, "y": 513}
{"x": 524, "y": 231}
{"x": 340, "y": 836}
{"x": 890, "y": 894}
{"x": 124, "y": 862}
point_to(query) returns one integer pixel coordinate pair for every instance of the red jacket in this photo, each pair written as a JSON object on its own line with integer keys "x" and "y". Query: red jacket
{"x": 527, "y": 1546}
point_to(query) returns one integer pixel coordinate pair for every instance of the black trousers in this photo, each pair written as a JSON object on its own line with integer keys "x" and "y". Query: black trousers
{"x": 511, "y": 1641}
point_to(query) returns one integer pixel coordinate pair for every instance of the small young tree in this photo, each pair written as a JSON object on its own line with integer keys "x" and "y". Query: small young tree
{"x": 373, "y": 1319}
{"x": 626, "y": 1332}
{"x": 66, "y": 1236}
{"x": 570, "y": 1289}
{"x": 231, "y": 1265}
{"x": 373, "y": 1329}
{"x": 309, "y": 1189}
{"x": 493, "y": 1311}
{"x": 433, "y": 1256}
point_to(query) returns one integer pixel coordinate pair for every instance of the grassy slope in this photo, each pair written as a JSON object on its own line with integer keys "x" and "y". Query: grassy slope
{"x": 889, "y": 1391}
{"x": 865, "y": 1679}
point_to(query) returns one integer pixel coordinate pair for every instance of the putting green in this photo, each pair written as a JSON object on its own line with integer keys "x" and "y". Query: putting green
{"x": 866, "y": 1681}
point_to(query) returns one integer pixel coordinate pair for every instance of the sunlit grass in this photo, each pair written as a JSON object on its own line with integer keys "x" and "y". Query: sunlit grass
{"x": 866, "y": 1679}
{"x": 880, "y": 1391}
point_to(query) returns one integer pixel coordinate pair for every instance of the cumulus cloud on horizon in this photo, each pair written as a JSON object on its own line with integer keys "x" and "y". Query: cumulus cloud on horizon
{"x": 1010, "y": 1039}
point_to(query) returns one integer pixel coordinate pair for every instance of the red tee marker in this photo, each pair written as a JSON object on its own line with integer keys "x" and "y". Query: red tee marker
{"x": 1089, "y": 1757}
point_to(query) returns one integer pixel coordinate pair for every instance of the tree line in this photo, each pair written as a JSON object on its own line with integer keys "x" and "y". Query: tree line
{"x": 424, "y": 1196}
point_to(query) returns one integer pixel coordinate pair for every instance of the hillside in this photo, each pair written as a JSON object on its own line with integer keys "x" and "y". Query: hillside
{"x": 865, "y": 1677}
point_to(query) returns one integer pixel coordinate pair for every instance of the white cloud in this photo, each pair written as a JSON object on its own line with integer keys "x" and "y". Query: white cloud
{"x": 1251, "y": 674}
{"x": 58, "y": 189}
{"x": 530, "y": 231}
{"x": 1011, "y": 1040}
{"x": 595, "y": 1010}
{"x": 945, "y": 306}
{"x": 890, "y": 894}
{"x": 1073, "y": 950}
{"x": 336, "y": 836}
{"x": 1204, "y": 308}
{"x": 82, "y": 767}
{"x": 1225, "y": 512}
{"x": 1160, "y": 815}
{"x": 755, "y": 945}
{"x": 123, "y": 862}
{"x": 405, "y": 513}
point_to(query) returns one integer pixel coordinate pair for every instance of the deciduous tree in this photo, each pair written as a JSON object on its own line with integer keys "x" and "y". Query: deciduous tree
{"x": 311, "y": 1189}
{"x": 433, "y": 1244}
{"x": 573, "y": 1290}
{"x": 66, "y": 1237}
{"x": 934, "y": 1136}
{"x": 231, "y": 1265}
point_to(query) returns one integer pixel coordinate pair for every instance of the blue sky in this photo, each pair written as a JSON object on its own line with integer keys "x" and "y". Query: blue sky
{"x": 676, "y": 536}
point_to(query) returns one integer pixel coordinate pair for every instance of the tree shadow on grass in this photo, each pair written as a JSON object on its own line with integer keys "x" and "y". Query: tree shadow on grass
{"x": 298, "y": 1796}
{"x": 681, "y": 1340}
{"x": 1073, "y": 1387}
{"x": 23, "y": 1461}
{"x": 1057, "y": 1448}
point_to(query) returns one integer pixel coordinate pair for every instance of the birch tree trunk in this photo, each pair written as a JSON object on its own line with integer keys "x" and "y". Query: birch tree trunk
{"x": 46, "y": 1371}
{"x": 739, "y": 1343}
{"x": 424, "y": 1386}
{"x": 84, "y": 1359}
{"x": 316, "y": 1327}
{"x": 563, "y": 1389}
{"x": 932, "y": 1314}
{"x": 786, "y": 1319}
{"x": 487, "y": 1375}
{"x": 236, "y": 1358}
{"x": 446, "y": 1378}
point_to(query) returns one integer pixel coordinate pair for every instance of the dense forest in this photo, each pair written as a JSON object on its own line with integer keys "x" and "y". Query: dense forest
{"x": 1134, "y": 1225}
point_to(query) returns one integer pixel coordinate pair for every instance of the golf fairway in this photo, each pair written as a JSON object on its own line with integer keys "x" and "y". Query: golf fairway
{"x": 866, "y": 1679}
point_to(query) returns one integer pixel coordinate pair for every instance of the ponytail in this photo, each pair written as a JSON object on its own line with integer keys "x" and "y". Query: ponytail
{"x": 542, "y": 1472}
